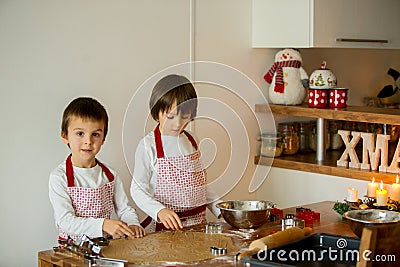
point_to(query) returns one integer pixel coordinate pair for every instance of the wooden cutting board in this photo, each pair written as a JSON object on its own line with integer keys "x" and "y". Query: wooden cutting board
{"x": 168, "y": 246}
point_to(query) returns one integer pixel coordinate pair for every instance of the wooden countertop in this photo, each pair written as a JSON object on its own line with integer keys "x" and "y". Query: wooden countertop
{"x": 330, "y": 223}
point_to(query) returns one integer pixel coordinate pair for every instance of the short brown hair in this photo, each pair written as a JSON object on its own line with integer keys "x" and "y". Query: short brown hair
{"x": 85, "y": 108}
{"x": 170, "y": 89}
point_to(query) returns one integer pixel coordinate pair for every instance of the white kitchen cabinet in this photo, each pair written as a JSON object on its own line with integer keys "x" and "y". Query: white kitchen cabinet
{"x": 326, "y": 23}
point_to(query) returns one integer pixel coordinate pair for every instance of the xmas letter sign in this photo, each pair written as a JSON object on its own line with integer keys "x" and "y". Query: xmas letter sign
{"x": 371, "y": 152}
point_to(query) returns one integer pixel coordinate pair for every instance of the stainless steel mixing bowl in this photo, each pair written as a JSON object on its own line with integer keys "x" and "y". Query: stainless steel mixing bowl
{"x": 246, "y": 213}
{"x": 386, "y": 222}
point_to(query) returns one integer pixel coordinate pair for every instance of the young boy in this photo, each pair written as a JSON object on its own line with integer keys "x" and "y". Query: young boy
{"x": 169, "y": 181}
{"x": 84, "y": 191}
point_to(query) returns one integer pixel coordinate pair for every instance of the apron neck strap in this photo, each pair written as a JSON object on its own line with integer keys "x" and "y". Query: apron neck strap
{"x": 191, "y": 139}
{"x": 159, "y": 147}
{"x": 70, "y": 171}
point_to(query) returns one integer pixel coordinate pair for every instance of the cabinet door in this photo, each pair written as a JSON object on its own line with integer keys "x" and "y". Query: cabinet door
{"x": 355, "y": 23}
{"x": 326, "y": 23}
{"x": 281, "y": 23}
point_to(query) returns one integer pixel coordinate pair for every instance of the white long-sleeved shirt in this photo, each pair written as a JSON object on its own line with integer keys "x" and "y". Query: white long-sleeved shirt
{"x": 64, "y": 213}
{"x": 145, "y": 172}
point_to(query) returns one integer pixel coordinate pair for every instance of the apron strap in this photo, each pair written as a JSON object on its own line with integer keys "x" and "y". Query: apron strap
{"x": 182, "y": 215}
{"x": 70, "y": 171}
{"x": 108, "y": 173}
{"x": 191, "y": 139}
{"x": 159, "y": 148}
{"x": 157, "y": 136}
{"x": 146, "y": 222}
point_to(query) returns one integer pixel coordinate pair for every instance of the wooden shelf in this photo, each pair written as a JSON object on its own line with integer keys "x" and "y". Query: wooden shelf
{"x": 308, "y": 163}
{"x": 351, "y": 113}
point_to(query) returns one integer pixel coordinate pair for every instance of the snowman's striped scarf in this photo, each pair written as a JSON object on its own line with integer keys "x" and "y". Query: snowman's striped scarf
{"x": 277, "y": 67}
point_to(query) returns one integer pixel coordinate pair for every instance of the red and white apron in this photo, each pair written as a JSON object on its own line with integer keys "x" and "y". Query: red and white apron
{"x": 89, "y": 202}
{"x": 181, "y": 185}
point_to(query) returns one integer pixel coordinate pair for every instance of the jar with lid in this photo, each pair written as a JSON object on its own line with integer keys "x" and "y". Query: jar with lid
{"x": 336, "y": 139}
{"x": 362, "y": 127}
{"x": 290, "y": 137}
{"x": 349, "y": 126}
{"x": 271, "y": 145}
{"x": 375, "y": 128}
{"x": 304, "y": 136}
{"x": 313, "y": 137}
{"x": 392, "y": 130}
{"x": 258, "y": 144}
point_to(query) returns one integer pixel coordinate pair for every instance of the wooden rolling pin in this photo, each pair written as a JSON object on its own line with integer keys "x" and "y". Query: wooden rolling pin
{"x": 276, "y": 240}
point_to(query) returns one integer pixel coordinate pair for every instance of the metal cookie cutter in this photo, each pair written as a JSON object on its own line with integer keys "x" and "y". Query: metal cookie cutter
{"x": 292, "y": 222}
{"x": 218, "y": 251}
{"x": 213, "y": 228}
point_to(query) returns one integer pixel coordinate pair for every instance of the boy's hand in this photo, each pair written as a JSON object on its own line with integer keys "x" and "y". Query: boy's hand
{"x": 117, "y": 228}
{"x": 138, "y": 230}
{"x": 170, "y": 219}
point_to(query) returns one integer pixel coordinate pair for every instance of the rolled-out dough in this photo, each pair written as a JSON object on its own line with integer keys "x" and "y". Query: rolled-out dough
{"x": 177, "y": 246}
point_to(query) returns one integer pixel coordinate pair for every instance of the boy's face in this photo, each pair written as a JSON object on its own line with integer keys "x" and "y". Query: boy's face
{"x": 173, "y": 122}
{"x": 85, "y": 138}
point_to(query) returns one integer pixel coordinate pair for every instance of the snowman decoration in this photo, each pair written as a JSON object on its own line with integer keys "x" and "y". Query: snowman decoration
{"x": 287, "y": 77}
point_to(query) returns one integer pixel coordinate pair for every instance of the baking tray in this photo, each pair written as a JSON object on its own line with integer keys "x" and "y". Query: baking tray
{"x": 320, "y": 249}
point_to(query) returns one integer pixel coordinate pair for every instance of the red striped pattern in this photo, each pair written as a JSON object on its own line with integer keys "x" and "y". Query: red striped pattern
{"x": 277, "y": 68}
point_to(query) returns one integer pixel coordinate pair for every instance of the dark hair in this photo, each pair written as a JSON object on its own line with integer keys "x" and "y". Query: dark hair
{"x": 85, "y": 108}
{"x": 170, "y": 89}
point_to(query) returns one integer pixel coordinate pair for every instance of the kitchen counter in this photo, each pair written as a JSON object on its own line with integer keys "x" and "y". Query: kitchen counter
{"x": 330, "y": 223}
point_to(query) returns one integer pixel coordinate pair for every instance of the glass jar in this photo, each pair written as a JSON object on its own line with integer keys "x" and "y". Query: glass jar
{"x": 271, "y": 145}
{"x": 349, "y": 126}
{"x": 313, "y": 137}
{"x": 258, "y": 144}
{"x": 375, "y": 128}
{"x": 304, "y": 136}
{"x": 290, "y": 137}
{"x": 362, "y": 127}
{"x": 392, "y": 130}
{"x": 336, "y": 139}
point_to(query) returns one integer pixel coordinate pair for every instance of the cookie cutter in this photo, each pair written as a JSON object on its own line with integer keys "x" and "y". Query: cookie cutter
{"x": 218, "y": 251}
{"x": 213, "y": 228}
{"x": 292, "y": 222}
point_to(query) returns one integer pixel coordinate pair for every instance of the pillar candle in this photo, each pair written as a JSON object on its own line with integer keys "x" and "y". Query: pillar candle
{"x": 352, "y": 195}
{"x": 381, "y": 196}
{"x": 372, "y": 187}
{"x": 395, "y": 191}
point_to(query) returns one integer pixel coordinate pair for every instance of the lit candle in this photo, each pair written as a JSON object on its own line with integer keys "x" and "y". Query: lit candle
{"x": 372, "y": 187}
{"x": 352, "y": 195}
{"x": 381, "y": 196}
{"x": 395, "y": 191}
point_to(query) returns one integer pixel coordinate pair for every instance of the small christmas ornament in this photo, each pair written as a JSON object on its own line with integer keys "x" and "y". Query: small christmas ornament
{"x": 287, "y": 77}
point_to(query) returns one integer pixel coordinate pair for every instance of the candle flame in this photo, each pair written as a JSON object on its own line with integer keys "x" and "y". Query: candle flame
{"x": 373, "y": 179}
{"x": 381, "y": 185}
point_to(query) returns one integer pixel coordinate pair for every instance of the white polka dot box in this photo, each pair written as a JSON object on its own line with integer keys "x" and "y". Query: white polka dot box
{"x": 321, "y": 98}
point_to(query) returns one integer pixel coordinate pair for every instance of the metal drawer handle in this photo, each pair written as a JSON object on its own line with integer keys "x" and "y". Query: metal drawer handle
{"x": 362, "y": 40}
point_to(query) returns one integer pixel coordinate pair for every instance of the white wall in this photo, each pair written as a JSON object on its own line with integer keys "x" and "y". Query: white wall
{"x": 53, "y": 51}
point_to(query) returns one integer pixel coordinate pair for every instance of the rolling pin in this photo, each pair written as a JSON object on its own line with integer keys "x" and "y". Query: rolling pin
{"x": 276, "y": 240}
